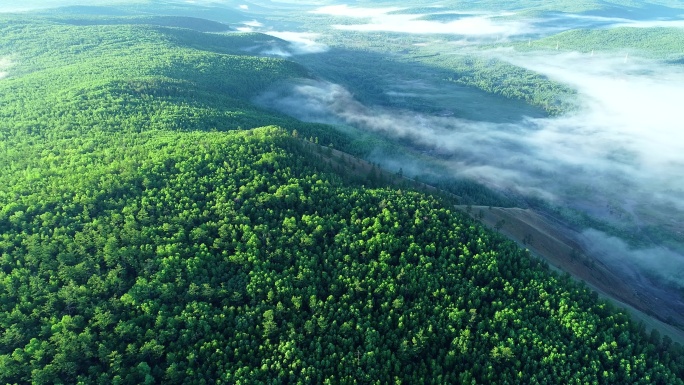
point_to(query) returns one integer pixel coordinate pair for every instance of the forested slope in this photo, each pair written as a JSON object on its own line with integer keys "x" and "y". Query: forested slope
{"x": 143, "y": 241}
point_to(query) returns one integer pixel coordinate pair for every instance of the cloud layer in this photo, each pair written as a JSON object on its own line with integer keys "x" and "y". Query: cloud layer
{"x": 630, "y": 122}
{"x": 384, "y": 20}
{"x": 301, "y": 43}
{"x": 656, "y": 261}
{"x": 355, "y": 12}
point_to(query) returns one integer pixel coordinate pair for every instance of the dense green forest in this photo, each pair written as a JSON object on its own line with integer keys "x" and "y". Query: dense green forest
{"x": 149, "y": 232}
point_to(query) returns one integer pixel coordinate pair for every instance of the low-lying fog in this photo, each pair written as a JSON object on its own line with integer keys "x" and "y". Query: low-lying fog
{"x": 624, "y": 136}
{"x": 5, "y": 64}
{"x": 388, "y": 20}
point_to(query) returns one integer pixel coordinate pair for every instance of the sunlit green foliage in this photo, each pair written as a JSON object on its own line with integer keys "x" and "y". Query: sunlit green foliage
{"x": 196, "y": 256}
